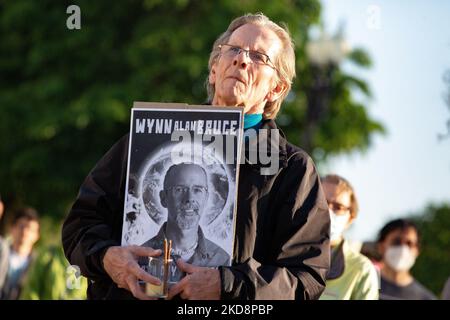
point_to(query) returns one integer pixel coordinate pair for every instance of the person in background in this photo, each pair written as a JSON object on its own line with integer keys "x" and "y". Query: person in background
{"x": 446, "y": 291}
{"x": 398, "y": 244}
{"x": 2, "y": 210}
{"x": 370, "y": 250}
{"x": 352, "y": 276}
{"x": 18, "y": 253}
{"x": 2, "y": 207}
{"x": 52, "y": 278}
{"x": 3, "y": 251}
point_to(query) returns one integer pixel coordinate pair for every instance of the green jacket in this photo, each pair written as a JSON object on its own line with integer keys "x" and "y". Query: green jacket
{"x": 352, "y": 276}
{"x": 51, "y": 278}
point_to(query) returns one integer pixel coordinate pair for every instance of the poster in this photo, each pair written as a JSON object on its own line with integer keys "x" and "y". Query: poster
{"x": 182, "y": 180}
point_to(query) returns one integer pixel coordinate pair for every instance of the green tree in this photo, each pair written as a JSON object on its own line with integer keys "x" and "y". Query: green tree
{"x": 432, "y": 266}
{"x": 65, "y": 95}
{"x": 323, "y": 115}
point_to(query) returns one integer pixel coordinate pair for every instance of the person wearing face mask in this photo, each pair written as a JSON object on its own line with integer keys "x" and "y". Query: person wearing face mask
{"x": 352, "y": 276}
{"x": 398, "y": 244}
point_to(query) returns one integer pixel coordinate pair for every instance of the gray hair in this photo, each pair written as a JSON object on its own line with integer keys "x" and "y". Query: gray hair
{"x": 284, "y": 62}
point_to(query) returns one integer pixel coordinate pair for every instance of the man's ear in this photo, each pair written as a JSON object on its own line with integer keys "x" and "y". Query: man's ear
{"x": 276, "y": 92}
{"x": 163, "y": 198}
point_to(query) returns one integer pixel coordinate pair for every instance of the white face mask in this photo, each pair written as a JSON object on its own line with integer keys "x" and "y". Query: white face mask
{"x": 400, "y": 258}
{"x": 338, "y": 224}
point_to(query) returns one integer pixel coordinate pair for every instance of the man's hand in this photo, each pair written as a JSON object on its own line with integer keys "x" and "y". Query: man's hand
{"x": 199, "y": 283}
{"x": 121, "y": 265}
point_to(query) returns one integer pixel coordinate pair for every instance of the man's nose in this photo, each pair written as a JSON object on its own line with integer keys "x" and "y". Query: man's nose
{"x": 187, "y": 195}
{"x": 242, "y": 60}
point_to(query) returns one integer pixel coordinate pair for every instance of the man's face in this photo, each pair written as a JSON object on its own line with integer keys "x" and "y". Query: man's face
{"x": 240, "y": 82}
{"x": 185, "y": 196}
{"x": 25, "y": 232}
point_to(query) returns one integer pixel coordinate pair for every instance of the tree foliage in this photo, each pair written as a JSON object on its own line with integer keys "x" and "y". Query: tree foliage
{"x": 65, "y": 95}
{"x": 432, "y": 266}
{"x": 323, "y": 115}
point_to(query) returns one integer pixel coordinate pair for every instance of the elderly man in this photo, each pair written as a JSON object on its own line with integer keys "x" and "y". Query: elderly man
{"x": 185, "y": 194}
{"x": 281, "y": 245}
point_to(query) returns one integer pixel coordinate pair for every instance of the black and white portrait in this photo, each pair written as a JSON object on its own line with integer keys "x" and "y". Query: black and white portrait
{"x": 189, "y": 200}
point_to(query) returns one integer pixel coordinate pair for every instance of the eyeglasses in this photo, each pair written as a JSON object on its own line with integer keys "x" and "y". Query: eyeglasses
{"x": 338, "y": 207}
{"x": 231, "y": 51}
{"x": 182, "y": 190}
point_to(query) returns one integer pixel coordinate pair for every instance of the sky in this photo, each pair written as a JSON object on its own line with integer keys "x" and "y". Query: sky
{"x": 408, "y": 168}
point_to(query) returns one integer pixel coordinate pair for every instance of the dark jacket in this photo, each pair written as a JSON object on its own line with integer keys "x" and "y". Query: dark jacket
{"x": 281, "y": 247}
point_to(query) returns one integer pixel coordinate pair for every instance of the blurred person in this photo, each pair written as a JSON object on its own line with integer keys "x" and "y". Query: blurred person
{"x": 51, "y": 277}
{"x": 352, "y": 276}
{"x": 18, "y": 252}
{"x": 2, "y": 210}
{"x": 4, "y": 249}
{"x": 398, "y": 244}
{"x": 370, "y": 250}
{"x": 281, "y": 247}
{"x": 2, "y": 207}
{"x": 445, "y": 295}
